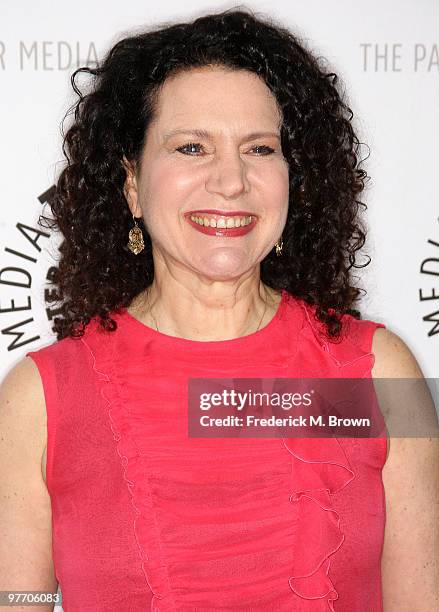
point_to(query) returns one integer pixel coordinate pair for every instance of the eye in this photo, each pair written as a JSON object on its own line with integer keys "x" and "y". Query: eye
{"x": 189, "y": 145}
{"x": 268, "y": 150}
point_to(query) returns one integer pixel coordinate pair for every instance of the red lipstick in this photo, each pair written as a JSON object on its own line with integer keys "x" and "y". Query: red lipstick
{"x": 222, "y": 231}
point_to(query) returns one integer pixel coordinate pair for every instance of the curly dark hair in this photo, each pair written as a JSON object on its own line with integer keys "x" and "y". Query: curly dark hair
{"x": 97, "y": 274}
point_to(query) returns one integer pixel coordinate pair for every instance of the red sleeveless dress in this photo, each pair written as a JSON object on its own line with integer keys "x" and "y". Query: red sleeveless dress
{"x": 146, "y": 518}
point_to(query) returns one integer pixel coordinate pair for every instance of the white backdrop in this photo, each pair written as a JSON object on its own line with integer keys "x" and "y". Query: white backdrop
{"x": 387, "y": 55}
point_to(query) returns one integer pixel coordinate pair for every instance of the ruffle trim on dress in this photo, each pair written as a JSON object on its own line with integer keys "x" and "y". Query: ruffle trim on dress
{"x": 316, "y": 478}
{"x": 321, "y": 468}
{"x": 107, "y": 367}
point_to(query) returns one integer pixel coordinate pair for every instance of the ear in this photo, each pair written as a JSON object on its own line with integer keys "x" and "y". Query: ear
{"x": 130, "y": 188}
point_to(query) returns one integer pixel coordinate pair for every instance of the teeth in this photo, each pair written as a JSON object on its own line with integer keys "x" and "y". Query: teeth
{"x": 222, "y": 222}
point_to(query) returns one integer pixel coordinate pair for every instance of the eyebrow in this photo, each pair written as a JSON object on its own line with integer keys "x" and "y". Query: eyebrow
{"x": 205, "y": 134}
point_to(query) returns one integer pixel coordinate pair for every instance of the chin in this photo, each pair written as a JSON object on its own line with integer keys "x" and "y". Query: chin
{"x": 221, "y": 274}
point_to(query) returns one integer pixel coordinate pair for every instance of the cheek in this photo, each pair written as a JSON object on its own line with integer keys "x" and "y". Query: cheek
{"x": 165, "y": 190}
{"x": 275, "y": 186}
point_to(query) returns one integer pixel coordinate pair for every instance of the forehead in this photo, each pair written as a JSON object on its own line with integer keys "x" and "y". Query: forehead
{"x": 216, "y": 95}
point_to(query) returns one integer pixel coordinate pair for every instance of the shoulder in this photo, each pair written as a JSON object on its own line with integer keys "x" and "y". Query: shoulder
{"x": 23, "y": 412}
{"x": 21, "y": 378}
{"x": 22, "y": 383}
{"x": 393, "y": 358}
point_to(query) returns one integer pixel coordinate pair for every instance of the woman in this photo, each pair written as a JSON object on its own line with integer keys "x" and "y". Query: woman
{"x": 210, "y": 217}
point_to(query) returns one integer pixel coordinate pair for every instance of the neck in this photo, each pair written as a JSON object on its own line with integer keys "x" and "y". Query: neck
{"x": 217, "y": 311}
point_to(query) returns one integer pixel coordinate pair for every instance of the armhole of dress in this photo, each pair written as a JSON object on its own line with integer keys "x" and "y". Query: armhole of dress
{"x": 367, "y": 339}
{"x": 48, "y": 378}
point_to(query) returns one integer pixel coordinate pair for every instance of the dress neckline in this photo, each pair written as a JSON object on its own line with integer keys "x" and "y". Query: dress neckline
{"x": 139, "y": 328}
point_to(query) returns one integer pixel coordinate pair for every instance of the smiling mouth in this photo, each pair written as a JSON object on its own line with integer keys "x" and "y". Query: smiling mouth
{"x": 214, "y": 223}
{"x": 222, "y": 221}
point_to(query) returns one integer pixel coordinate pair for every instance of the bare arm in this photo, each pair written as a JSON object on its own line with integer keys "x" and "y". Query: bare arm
{"x": 25, "y": 511}
{"x": 410, "y": 560}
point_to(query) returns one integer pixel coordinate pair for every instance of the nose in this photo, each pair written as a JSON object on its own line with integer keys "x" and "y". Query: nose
{"x": 227, "y": 176}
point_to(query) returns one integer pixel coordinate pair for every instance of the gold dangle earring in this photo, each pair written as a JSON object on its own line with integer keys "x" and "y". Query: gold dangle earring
{"x": 135, "y": 242}
{"x": 279, "y": 244}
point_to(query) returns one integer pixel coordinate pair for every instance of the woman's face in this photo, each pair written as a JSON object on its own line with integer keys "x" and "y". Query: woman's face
{"x": 213, "y": 149}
